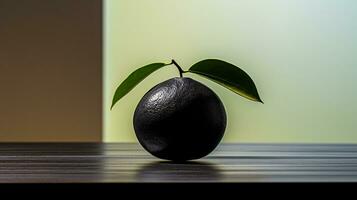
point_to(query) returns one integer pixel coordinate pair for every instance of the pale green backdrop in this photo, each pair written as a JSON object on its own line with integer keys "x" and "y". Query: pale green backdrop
{"x": 302, "y": 55}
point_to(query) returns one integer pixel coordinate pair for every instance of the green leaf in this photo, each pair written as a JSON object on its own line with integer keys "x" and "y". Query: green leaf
{"x": 133, "y": 79}
{"x": 229, "y": 76}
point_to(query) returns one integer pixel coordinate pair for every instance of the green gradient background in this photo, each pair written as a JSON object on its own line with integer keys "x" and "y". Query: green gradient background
{"x": 302, "y": 55}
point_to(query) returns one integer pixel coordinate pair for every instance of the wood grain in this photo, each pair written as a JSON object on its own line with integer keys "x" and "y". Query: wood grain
{"x": 129, "y": 163}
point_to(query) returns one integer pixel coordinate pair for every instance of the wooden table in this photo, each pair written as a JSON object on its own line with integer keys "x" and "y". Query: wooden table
{"x": 128, "y": 163}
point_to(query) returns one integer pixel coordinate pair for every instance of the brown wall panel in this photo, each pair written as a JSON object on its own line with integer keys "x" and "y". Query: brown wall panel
{"x": 50, "y": 70}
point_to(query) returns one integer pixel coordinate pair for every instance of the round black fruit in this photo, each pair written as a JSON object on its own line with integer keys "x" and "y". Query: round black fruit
{"x": 180, "y": 119}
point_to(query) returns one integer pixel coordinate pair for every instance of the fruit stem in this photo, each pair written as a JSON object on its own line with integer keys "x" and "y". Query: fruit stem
{"x": 178, "y": 67}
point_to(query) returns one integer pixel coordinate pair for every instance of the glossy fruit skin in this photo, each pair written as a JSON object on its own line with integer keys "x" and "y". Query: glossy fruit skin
{"x": 180, "y": 119}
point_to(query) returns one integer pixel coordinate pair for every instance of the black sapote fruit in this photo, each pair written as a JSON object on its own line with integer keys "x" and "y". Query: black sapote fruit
{"x": 181, "y": 119}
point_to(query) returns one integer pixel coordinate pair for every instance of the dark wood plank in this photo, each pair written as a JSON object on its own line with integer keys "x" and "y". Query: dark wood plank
{"x": 129, "y": 163}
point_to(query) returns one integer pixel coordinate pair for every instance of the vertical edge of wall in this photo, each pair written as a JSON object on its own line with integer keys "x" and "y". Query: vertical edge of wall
{"x": 51, "y": 71}
{"x": 104, "y": 71}
{"x": 100, "y": 6}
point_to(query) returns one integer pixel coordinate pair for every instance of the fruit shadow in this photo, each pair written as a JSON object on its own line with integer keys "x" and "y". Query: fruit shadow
{"x": 188, "y": 171}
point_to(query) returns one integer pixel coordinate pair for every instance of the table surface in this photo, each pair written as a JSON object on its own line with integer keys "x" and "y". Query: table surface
{"x": 129, "y": 163}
